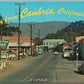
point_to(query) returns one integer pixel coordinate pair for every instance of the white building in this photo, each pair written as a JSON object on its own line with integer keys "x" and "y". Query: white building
{"x": 51, "y": 43}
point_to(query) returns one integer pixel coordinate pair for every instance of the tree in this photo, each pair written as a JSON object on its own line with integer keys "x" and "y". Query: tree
{"x": 36, "y": 41}
{"x": 68, "y": 36}
{"x": 76, "y": 27}
{"x": 7, "y": 30}
{"x": 81, "y": 33}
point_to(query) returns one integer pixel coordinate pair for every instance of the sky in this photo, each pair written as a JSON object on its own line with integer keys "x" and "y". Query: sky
{"x": 9, "y": 9}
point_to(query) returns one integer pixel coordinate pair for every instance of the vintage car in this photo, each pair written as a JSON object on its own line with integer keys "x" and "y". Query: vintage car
{"x": 81, "y": 68}
{"x": 67, "y": 53}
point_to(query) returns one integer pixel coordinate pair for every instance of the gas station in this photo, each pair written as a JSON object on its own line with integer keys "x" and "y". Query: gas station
{"x": 3, "y": 48}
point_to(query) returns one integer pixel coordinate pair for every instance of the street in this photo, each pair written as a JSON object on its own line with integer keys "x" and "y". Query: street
{"x": 47, "y": 68}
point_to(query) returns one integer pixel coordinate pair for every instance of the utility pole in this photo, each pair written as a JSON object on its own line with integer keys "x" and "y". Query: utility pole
{"x": 71, "y": 36}
{"x": 19, "y": 29}
{"x": 38, "y": 38}
{"x": 31, "y": 36}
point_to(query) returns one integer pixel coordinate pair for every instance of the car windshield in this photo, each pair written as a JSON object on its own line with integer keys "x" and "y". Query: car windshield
{"x": 11, "y": 53}
{"x": 68, "y": 49}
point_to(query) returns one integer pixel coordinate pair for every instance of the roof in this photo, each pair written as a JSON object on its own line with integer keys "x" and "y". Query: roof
{"x": 39, "y": 46}
{"x": 68, "y": 43}
{"x": 53, "y": 40}
{"x": 14, "y": 39}
{"x": 78, "y": 38}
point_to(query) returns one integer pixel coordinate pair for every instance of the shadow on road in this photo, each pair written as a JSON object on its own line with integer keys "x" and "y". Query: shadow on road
{"x": 78, "y": 72}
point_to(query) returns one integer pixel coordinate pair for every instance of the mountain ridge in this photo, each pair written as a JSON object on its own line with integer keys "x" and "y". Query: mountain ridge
{"x": 45, "y": 27}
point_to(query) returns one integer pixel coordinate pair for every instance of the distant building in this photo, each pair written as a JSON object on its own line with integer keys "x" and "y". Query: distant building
{"x": 39, "y": 48}
{"x": 51, "y": 43}
{"x": 78, "y": 38}
{"x": 25, "y": 43}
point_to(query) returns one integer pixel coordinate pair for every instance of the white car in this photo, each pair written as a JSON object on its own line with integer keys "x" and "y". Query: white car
{"x": 20, "y": 53}
{"x": 9, "y": 55}
{"x": 66, "y": 53}
{"x": 56, "y": 53}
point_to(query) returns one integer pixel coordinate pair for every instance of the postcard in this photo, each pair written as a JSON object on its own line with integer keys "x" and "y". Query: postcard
{"x": 41, "y": 42}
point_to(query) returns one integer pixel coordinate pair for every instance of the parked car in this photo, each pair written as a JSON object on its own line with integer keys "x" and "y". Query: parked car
{"x": 81, "y": 68}
{"x": 67, "y": 53}
{"x": 11, "y": 55}
{"x": 20, "y": 53}
{"x": 55, "y": 52}
{"x": 39, "y": 52}
{"x": 34, "y": 53}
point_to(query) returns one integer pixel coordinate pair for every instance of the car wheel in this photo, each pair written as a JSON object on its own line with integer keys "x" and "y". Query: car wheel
{"x": 82, "y": 72}
{"x": 12, "y": 58}
{"x": 62, "y": 56}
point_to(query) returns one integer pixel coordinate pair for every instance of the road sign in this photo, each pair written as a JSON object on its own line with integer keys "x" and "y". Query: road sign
{"x": 3, "y": 53}
{"x": 3, "y": 44}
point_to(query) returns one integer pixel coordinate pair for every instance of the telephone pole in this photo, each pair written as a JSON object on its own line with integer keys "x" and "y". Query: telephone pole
{"x": 19, "y": 29}
{"x": 38, "y": 38}
{"x": 31, "y": 35}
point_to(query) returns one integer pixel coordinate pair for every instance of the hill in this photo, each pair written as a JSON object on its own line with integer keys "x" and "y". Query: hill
{"x": 45, "y": 27}
{"x": 75, "y": 27}
{"x": 69, "y": 33}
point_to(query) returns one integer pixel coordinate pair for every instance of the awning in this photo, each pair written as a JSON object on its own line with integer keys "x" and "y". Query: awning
{"x": 16, "y": 44}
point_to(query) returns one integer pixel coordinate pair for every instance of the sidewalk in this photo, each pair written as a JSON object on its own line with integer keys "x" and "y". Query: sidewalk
{"x": 68, "y": 72}
{"x": 16, "y": 65}
{"x": 13, "y": 65}
{"x": 73, "y": 63}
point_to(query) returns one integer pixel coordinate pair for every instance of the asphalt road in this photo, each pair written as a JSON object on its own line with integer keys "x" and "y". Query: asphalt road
{"x": 45, "y": 68}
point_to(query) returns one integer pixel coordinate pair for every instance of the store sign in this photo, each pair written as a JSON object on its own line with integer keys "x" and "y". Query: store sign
{"x": 4, "y": 44}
